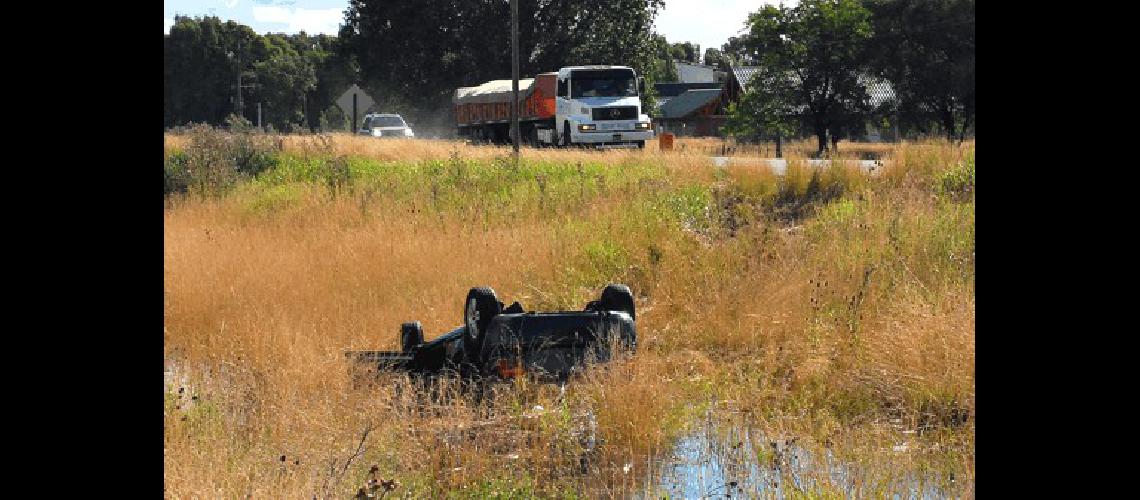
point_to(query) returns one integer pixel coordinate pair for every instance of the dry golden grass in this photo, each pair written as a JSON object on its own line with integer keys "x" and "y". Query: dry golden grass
{"x": 844, "y": 328}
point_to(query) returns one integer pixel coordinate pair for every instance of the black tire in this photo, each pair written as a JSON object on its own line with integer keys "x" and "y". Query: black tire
{"x": 640, "y": 144}
{"x": 479, "y": 309}
{"x": 617, "y": 297}
{"x": 411, "y": 335}
{"x": 566, "y": 140}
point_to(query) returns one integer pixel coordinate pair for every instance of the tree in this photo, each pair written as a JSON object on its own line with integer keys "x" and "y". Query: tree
{"x": 925, "y": 48}
{"x": 658, "y": 68}
{"x": 720, "y": 60}
{"x": 736, "y": 51}
{"x": 284, "y": 80}
{"x": 818, "y": 47}
{"x": 420, "y": 52}
{"x": 686, "y": 52}
{"x": 291, "y": 75}
{"x": 334, "y": 70}
{"x": 767, "y": 108}
{"x": 201, "y": 61}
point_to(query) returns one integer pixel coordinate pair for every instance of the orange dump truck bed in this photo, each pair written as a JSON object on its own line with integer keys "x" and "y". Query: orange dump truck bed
{"x": 491, "y": 101}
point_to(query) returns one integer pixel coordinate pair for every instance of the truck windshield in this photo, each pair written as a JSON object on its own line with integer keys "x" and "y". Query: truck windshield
{"x": 603, "y": 83}
{"x": 386, "y": 121}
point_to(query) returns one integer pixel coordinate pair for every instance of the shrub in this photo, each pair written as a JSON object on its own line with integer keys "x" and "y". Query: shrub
{"x": 957, "y": 181}
{"x": 214, "y": 160}
{"x": 175, "y": 176}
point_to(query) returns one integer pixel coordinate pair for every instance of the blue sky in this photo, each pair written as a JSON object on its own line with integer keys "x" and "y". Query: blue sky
{"x": 707, "y": 22}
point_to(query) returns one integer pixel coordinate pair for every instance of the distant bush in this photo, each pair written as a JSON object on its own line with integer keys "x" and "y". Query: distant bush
{"x": 213, "y": 160}
{"x": 175, "y": 176}
{"x": 957, "y": 181}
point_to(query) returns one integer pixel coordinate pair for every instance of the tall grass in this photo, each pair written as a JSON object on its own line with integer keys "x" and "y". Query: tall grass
{"x": 830, "y": 305}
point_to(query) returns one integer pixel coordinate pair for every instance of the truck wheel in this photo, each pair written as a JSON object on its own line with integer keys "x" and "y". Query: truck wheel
{"x": 566, "y": 141}
{"x": 640, "y": 144}
{"x": 411, "y": 335}
{"x": 617, "y": 297}
{"x": 481, "y": 306}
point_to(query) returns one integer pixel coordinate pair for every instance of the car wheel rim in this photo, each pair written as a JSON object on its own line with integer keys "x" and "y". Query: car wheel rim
{"x": 472, "y": 318}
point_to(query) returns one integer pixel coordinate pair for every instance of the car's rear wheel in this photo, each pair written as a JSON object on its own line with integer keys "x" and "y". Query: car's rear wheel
{"x": 479, "y": 309}
{"x": 617, "y": 297}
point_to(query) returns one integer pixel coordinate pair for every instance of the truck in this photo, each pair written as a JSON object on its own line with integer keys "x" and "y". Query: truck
{"x": 497, "y": 343}
{"x": 595, "y": 105}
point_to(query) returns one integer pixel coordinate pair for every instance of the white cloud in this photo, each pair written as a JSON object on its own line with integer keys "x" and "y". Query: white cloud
{"x": 311, "y": 21}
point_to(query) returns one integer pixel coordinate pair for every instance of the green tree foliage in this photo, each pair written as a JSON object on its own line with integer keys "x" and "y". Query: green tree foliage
{"x": 925, "y": 48}
{"x": 767, "y": 109}
{"x": 201, "y": 62}
{"x": 686, "y": 52}
{"x": 720, "y": 60}
{"x": 284, "y": 78}
{"x": 334, "y": 70}
{"x": 420, "y": 52}
{"x": 661, "y": 67}
{"x": 294, "y": 77}
{"x": 814, "y": 58}
{"x": 737, "y": 51}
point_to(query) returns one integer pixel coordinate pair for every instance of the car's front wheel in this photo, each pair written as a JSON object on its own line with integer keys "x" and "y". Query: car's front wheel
{"x": 480, "y": 308}
{"x": 411, "y": 335}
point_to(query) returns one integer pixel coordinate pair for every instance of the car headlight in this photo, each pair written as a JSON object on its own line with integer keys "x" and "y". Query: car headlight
{"x": 376, "y": 132}
{"x": 408, "y": 133}
{"x": 642, "y": 126}
{"x": 587, "y": 127}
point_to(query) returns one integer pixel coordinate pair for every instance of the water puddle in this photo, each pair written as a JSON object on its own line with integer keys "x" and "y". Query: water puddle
{"x": 731, "y": 461}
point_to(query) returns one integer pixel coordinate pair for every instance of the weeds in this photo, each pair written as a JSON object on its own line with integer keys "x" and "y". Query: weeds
{"x": 825, "y": 304}
{"x": 214, "y": 161}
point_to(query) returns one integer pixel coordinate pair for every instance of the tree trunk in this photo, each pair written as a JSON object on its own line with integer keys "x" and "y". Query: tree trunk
{"x": 948, "y": 123}
{"x": 965, "y": 125}
{"x": 821, "y": 135}
{"x": 779, "y": 150}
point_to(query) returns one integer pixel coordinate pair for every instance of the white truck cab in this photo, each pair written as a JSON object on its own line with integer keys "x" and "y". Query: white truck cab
{"x": 600, "y": 106}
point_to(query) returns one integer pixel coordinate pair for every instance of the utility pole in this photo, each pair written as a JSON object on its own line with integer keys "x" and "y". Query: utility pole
{"x": 515, "y": 78}
{"x": 241, "y": 108}
{"x": 259, "y": 115}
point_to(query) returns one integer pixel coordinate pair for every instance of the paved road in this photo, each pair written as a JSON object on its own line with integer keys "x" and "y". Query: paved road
{"x": 779, "y": 165}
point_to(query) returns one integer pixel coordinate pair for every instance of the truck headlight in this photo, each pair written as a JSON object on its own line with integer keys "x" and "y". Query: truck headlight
{"x": 642, "y": 126}
{"x": 408, "y": 133}
{"x": 587, "y": 128}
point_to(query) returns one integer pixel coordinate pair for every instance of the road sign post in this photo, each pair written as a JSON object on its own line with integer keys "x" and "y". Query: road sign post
{"x": 352, "y": 101}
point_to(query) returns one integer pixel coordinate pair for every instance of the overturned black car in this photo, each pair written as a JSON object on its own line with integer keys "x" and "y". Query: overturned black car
{"x": 497, "y": 342}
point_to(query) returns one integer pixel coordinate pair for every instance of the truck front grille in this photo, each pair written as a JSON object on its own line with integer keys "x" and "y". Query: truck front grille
{"x": 615, "y": 113}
